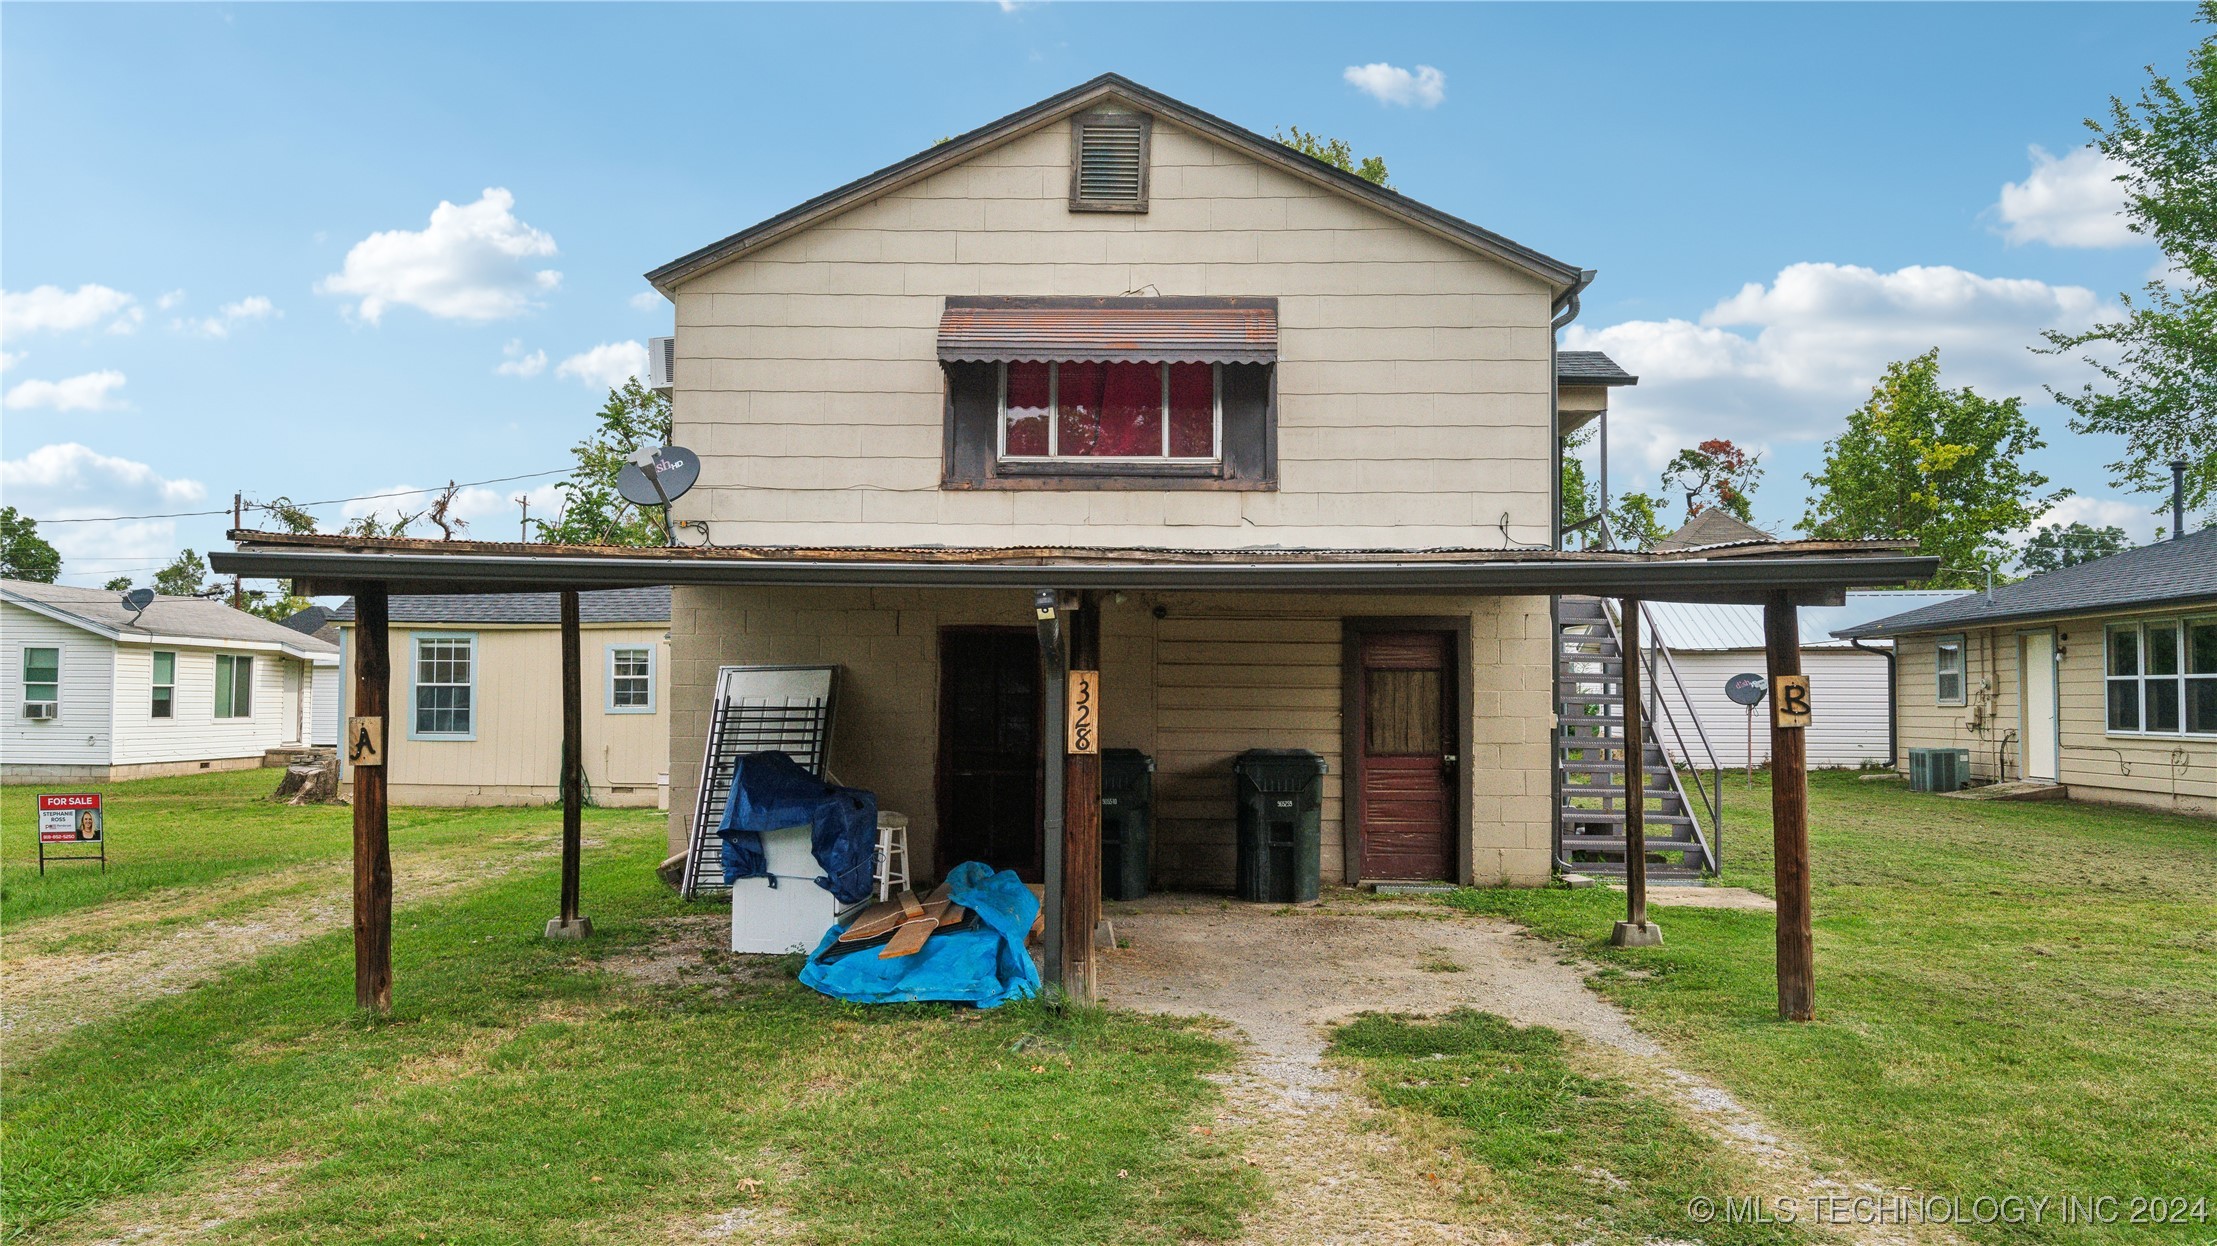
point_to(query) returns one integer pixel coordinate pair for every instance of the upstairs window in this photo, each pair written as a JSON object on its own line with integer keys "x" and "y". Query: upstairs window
{"x": 1168, "y": 412}
{"x": 1947, "y": 667}
{"x": 1108, "y": 162}
{"x": 165, "y": 685}
{"x": 234, "y": 685}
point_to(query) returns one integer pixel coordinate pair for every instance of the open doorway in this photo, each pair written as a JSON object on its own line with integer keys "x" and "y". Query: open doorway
{"x": 989, "y": 750}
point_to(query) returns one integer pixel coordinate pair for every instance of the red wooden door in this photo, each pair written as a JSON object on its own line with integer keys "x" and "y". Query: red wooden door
{"x": 1404, "y": 791}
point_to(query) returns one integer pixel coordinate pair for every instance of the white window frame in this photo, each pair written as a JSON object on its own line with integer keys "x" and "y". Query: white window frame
{"x": 608, "y": 681}
{"x": 2183, "y": 678}
{"x": 1962, "y": 670}
{"x": 1054, "y": 423}
{"x": 231, "y": 662}
{"x": 416, "y": 685}
{"x": 23, "y": 669}
{"x": 154, "y": 684}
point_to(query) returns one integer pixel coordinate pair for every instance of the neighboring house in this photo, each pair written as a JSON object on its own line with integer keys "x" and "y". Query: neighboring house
{"x": 2101, "y": 676}
{"x": 476, "y": 715}
{"x": 1116, "y": 383}
{"x": 95, "y": 691}
{"x": 317, "y": 621}
{"x": 1707, "y": 644}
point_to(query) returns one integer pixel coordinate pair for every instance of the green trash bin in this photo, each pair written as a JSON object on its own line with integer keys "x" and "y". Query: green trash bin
{"x": 1281, "y": 812}
{"x": 1127, "y": 822}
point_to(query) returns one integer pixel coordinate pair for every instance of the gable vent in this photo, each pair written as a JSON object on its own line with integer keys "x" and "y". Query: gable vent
{"x": 1109, "y": 163}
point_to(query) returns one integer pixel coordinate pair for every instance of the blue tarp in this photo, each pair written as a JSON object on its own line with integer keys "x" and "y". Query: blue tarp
{"x": 982, "y": 961}
{"x": 771, "y": 791}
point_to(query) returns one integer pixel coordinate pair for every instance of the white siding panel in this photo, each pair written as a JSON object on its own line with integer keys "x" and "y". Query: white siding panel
{"x": 82, "y": 734}
{"x": 1847, "y": 692}
{"x": 323, "y": 713}
{"x": 193, "y": 732}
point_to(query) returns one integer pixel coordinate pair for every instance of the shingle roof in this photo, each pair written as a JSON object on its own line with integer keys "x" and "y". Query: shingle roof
{"x": 1688, "y": 626}
{"x": 608, "y": 605}
{"x": 1712, "y": 527}
{"x": 180, "y": 618}
{"x": 1590, "y": 367}
{"x": 2171, "y": 572}
{"x": 307, "y": 621}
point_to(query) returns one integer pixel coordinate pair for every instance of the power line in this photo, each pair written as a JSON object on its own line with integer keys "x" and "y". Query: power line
{"x": 366, "y": 497}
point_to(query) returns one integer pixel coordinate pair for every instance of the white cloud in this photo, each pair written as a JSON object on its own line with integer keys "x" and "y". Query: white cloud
{"x": 93, "y": 391}
{"x": 2073, "y": 201}
{"x": 472, "y": 262}
{"x": 517, "y": 363}
{"x": 648, "y": 300}
{"x": 51, "y": 309}
{"x": 606, "y": 366}
{"x": 71, "y": 481}
{"x": 169, "y": 300}
{"x": 1391, "y": 84}
{"x": 1821, "y": 336}
{"x": 9, "y": 359}
{"x": 2139, "y": 522}
{"x": 228, "y": 316}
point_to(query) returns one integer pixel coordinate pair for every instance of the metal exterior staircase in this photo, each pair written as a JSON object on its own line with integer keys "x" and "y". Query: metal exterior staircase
{"x": 1590, "y": 753}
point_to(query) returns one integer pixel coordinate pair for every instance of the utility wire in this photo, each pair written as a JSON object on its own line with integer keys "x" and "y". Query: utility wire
{"x": 366, "y": 497}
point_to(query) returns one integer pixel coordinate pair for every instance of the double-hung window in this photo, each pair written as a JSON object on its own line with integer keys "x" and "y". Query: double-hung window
{"x": 631, "y": 679}
{"x": 2161, "y": 677}
{"x": 234, "y": 685}
{"x": 42, "y": 681}
{"x": 1948, "y": 671}
{"x": 165, "y": 684}
{"x": 1095, "y": 411}
{"x": 445, "y": 688}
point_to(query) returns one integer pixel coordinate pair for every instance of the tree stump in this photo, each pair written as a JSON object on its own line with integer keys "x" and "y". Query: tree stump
{"x": 310, "y": 782}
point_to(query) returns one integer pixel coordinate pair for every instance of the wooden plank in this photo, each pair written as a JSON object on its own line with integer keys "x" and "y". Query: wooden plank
{"x": 1635, "y": 813}
{"x": 573, "y": 756}
{"x": 1081, "y": 825}
{"x": 373, "y": 861}
{"x": 1797, "y": 995}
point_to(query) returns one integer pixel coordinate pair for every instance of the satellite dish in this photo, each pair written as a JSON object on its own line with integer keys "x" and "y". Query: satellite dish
{"x": 138, "y": 599}
{"x": 658, "y": 477}
{"x": 1745, "y": 689}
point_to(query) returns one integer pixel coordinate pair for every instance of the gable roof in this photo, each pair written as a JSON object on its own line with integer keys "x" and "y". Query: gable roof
{"x": 1688, "y": 626}
{"x": 1590, "y": 367}
{"x": 183, "y": 620}
{"x": 610, "y": 605}
{"x": 307, "y": 621}
{"x": 1077, "y": 99}
{"x": 2174, "y": 572}
{"x": 1712, "y": 527}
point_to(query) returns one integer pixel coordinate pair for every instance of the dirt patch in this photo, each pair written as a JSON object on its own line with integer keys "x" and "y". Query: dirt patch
{"x": 1739, "y": 898}
{"x": 688, "y": 951}
{"x": 1337, "y": 1173}
{"x": 208, "y": 1211}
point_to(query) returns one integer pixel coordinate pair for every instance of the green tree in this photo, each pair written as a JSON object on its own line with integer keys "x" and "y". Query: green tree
{"x": 185, "y": 576}
{"x": 2158, "y": 359}
{"x": 24, "y": 554}
{"x": 1337, "y": 153}
{"x": 2057, "y": 546}
{"x": 593, "y": 512}
{"x": 120, "y": 584}
{"x": 1716, "y": 473}
{"x": 277, "y": 604}
{"x": 1943, "y": 467}
{"x": 1637, "y": 521}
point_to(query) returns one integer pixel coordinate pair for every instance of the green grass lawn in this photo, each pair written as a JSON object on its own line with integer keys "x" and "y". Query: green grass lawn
{"x": 2011, "y": 998}
{"x": 525, "y": 1091}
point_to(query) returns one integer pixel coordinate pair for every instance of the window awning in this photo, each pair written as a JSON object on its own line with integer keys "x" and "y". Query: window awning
{"x": 1134, "y": 330}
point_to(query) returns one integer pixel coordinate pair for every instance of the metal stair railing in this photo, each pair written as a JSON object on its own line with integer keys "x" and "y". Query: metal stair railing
{"x": 1656, "y": 662}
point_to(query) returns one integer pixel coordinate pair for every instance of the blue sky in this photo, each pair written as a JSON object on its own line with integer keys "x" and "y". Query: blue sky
{"x": 1778, "y": 199}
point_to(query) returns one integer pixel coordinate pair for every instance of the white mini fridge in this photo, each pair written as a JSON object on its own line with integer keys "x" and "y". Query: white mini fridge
{"x": 795, "y": 913}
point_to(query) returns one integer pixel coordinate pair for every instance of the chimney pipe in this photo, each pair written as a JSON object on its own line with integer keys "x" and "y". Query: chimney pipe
{"x": 2178, "y": 498}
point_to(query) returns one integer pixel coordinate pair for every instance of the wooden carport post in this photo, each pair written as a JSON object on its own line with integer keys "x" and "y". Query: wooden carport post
{"x": 373, "y": 859}
{"x": 1081, "y": 819}
{"x": 1797, "y": 972}
{"x": 569, "y": 925}
{"x": 1635, "y": 930}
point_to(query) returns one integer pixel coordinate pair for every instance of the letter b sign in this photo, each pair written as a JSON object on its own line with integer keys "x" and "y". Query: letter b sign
{"x": 1790, "y": 701}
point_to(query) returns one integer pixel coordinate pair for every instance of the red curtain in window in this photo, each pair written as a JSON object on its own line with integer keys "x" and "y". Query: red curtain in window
{"x": 1192, "y": 410}
{"x": 1107, "y": 409}
{"x": 1027, "y": 408}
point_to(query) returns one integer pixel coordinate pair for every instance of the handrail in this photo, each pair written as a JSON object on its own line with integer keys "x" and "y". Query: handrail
{"x": 1715, "y": 803}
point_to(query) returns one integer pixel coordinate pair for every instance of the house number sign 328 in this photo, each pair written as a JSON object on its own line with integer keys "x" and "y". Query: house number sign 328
{"x": 1085, "y": 713}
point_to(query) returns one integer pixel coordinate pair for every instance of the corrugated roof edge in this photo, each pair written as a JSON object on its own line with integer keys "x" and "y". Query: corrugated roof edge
{"x": 1077, "y": 98}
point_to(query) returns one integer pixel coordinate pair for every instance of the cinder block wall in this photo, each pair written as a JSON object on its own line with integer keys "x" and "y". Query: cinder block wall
{"x": 1218, "y": 674}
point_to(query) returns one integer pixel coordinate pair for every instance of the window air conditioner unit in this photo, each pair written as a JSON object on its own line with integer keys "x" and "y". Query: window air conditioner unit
{"x": 39, "y": 710}
{"x": 661, "y": 363}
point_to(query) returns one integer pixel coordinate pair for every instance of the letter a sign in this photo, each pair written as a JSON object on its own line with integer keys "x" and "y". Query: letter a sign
{"x": 1790, "y": 701}
{"x": 365, "y": 741}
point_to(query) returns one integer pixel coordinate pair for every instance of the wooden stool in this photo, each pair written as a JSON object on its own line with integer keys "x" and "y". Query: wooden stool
{"x": 892, "y": 853}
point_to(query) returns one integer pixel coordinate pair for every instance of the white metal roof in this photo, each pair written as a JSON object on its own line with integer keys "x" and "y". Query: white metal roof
{"x": 1689, "y": 626}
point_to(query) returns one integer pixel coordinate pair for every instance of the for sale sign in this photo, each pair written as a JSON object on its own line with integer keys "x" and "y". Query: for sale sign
{"x": 72, "y": 819}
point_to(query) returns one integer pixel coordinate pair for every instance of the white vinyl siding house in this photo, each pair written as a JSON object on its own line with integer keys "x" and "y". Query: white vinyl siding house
{"x": 190, "y": 685}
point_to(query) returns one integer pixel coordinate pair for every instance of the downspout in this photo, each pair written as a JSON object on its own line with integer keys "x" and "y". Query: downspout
{"x": 1892, "y": 748}
{"x": 1566, "y": 310}
{"x": 1046, "y": 603}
